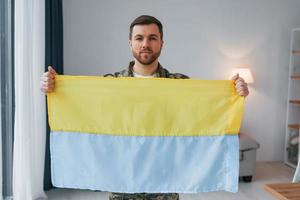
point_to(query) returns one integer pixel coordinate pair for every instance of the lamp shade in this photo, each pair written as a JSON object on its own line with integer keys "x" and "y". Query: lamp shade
{"x": 244, "y": 73}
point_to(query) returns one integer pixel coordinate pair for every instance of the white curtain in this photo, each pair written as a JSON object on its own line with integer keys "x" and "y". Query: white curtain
{"x": 297, "y": 172}
{"x": 30, "y": 131}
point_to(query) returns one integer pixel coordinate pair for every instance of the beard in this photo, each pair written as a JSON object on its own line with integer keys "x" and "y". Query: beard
{"x": 146, "y": 58}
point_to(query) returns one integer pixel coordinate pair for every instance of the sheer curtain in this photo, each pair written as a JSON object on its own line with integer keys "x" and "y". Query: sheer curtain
{"x": 29, "y": 143}
{"x": 297, "y": 172}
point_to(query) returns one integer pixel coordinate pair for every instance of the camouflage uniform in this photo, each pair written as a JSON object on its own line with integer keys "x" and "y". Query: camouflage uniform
{"x": 144, "y": 196}
{"x": 162, "y": 73}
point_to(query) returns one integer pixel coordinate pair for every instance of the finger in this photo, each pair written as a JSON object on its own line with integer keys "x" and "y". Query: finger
{"x": 46, "y": 90}
{"x": 51, "y": 75}
{"x": 239, "y": 79}
{"x": 47, "y": 80}
{"x": 48, "y": 85}
{"x": 42, "y": 89}
{"x": 241, "y": 89}
{"x": 242, "y": 92}
{"x": 247, "y": 93}
{"x": 45, "y": 77}
{"x": 51, "y": 70}
{"x": 235, "y": 77}
{"x": 48, "y": 74}
{"x": 241, "y": 84}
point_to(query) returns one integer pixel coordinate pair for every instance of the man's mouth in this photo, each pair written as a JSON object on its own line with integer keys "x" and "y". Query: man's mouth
{"x": 146, "y": 52}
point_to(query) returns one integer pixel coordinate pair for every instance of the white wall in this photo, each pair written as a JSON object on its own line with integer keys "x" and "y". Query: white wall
{"x": 203, "y": 39}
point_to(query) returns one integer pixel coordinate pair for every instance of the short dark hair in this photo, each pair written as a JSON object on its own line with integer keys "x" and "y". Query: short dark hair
{"x": 146, "y": 20}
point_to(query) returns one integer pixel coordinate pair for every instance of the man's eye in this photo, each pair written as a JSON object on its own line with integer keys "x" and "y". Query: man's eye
{"x": 139, "y": 39}
{"x": 153, "y": 38}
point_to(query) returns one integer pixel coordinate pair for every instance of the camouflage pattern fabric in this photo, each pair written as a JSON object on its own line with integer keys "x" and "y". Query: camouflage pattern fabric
{"x": 160, "y": 73}
{"x": 144, "y": 196}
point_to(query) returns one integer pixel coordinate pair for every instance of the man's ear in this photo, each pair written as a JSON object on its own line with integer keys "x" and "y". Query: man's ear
{"x": 130, "y": 44}
{"x": 162, "y": 44}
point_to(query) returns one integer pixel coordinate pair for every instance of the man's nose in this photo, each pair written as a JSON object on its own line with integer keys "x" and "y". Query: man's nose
{"x": 145, "y": 43}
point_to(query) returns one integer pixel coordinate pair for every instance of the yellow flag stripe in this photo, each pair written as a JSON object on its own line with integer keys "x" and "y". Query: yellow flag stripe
{"x": 144, "y": 107}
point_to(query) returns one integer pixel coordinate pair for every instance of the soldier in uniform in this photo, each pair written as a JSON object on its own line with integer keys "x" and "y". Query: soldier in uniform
{"x": 146, "y": 42}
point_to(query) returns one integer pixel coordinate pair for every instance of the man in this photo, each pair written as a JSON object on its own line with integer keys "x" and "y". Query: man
{"x": 146, "y": 42}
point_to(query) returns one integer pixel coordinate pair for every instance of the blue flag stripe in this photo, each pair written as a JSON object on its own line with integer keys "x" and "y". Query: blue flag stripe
{"x": 183, "y": 164}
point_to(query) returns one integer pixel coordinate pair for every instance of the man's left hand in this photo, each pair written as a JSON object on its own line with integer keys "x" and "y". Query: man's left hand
{"x": 240, "y": 85}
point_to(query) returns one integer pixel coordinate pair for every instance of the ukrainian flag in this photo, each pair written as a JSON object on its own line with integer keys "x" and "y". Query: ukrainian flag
{"x": 134, "y": 135}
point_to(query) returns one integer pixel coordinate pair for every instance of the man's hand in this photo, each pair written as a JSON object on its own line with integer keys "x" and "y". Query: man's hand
{"x": 47, "y": 82}
{"x": 240, "y": 85}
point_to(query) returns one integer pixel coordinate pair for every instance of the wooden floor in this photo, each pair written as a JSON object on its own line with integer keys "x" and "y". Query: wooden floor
{"x": 284, "y": 191}
{"x": 266, "y": 172}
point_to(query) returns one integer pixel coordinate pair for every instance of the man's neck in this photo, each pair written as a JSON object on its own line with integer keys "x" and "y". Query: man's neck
{"x": 145, "y": 70}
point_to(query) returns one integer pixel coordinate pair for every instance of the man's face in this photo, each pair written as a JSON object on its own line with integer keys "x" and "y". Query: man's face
{"x": 146, "y": 43}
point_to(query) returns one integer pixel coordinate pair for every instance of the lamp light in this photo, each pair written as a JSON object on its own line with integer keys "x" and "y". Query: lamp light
{"x": 244, "y": 73}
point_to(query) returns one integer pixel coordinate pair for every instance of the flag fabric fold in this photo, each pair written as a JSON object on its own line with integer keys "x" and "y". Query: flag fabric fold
{"x": 135, "y": 135}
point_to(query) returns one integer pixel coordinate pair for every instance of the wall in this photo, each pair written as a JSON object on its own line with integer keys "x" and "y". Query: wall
{"x": 203, "y": 39}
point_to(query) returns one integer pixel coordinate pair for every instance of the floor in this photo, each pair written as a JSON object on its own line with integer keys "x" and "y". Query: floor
{"x": 266, "y": 172}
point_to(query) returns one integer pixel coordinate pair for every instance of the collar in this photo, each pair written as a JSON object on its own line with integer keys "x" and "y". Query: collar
{"x": 160, "y": 71}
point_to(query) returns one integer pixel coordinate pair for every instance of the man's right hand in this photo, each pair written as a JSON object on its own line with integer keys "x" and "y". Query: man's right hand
{"x": 47, "y": 83}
